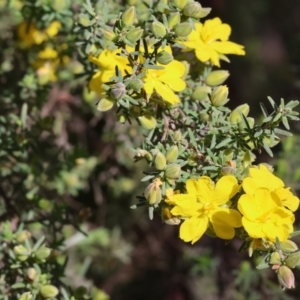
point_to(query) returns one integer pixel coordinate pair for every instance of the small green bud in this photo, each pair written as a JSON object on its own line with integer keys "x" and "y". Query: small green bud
{"x": 288, "y": 246}
{"x": 129, "y": 16}
{"x": 172, "y": 154}
{"x": 204, "y": 117}
{"x": 105, "y": 104}
{"x": 84, "y": 20}
{"x": 118, "y": 91}
{"x": 180, "y": 4}
{"x": 134, "y": 35}
{"x": 149, "y": 157}
{"x": 108, "y": 34}
{"x": 21, "y": 252}
{"x": 160, "y": 161}
{"x": 219, "y": 96}
{"x": 22, "y": 236}
{"x": 200, "y": 93}
{"x": 135, "y": 84}
{"x": 173, "y": 171}
{"x": 215, "y": 78}
{"x": 182, "y": 30}
{"x": 164, "y": 57}
{"x": 293, "y": 260}
{"x": 26, "y": 296}
{"x": 147, "y": 122}
{"x": 31, "y": 274}
{"x": 42, "y": 253}
{"x": 153, "y": 193}
{"x": 173, "y": 19}
{"x": 275, "y": 259}
{"x": 195, "y": 10}
{"x": 161, "y": 5}
{"x": 122, "y": 118}
{"x": 235, "y": 116}
{"x": 286, "y": 277}
{"x": 177, "y": 136}
{"x": 49, "y": 291}
{"x": 158, "y": 29}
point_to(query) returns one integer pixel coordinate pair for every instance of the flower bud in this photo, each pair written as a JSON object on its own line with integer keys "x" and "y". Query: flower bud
{"x": 229, "y": 168}
{"x": 26, "y": 296}
{"x": 293, "y": 260}
{"x": 172, "y": 154}
{"x": 247, "y": 159}
{"x": 215, "y": 78}
{"x": 161, "y": 5}
{"x": 49, "y": 291}
{"x": 122, "y": 118}
{"x": 118, "y": 91}
{"x": 195, "y": 10}
{"x": 183, "y": 29}
{"x": 134, "y": 35}
{"x": 158, "y": 29}
{"x": 204, "y": 117}
{"x": 147, "y": 122}
{"x": 129, "y": 16}
{"x": 288, "y": 246}
{"x": 160, "y": 161}
{"x": 219, "y": 96}
{"x": 173, "y": 171}
{"x": 168, "y": 218}
{"x": 201, "y": 92}
{"x": 153, "y": 193}
{"x": 108, "y": 34}
{"x": 177, "y": 136}
{"x": 42, "y": 253}
{"x": 105, "y": 104}
{"x": 180, "y": 4}
{"x": 21, "y": 252}
{"x": 164, "y": 57}
{"x": 84, "y": 20}
{"x": 135, "y": 84}
{"x": 235, "y": 116}
{"x": 275, "y": 259}
{"x": 31, "y": 274}
{"x": 22, "y": 236}
{"x": 286, "y": 277}
{"x": 173, "y": 19}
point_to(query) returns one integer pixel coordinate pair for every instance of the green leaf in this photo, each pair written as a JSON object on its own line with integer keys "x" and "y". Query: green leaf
{"x": 267, "y": 148}
{"x": 224, "y": 143}
{"x": 24, "y": 111}
{"x": 282, "y": 132}
{"x": 264, "y": 110}
{"x": 89, "y": 8}
{"x": 272, "y": 102}
{"x": 285, "y": 122}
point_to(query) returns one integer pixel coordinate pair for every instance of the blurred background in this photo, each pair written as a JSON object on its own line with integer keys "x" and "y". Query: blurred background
{"x": 125, "y": 254}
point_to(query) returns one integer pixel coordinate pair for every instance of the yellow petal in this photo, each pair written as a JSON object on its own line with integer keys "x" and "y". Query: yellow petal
{"x": 166, "y": 93}
{"x": 227, "y": 47}
{"x": 203, "y": 188}
{"x": 191, "y": 230}
{"x": 226, "y": 188}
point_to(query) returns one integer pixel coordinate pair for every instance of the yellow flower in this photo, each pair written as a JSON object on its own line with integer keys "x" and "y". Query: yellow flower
{"x": 107, "y": 61}
{"x": 30, "y": 35}
{"x": 165, "y": 82}
{"x": 205, "y": 203}
{"x": 47, "y": 64}
{"x": 264, "y": 216}
{"x": 262, "y": 178}
{"x": 210, "y": 42}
